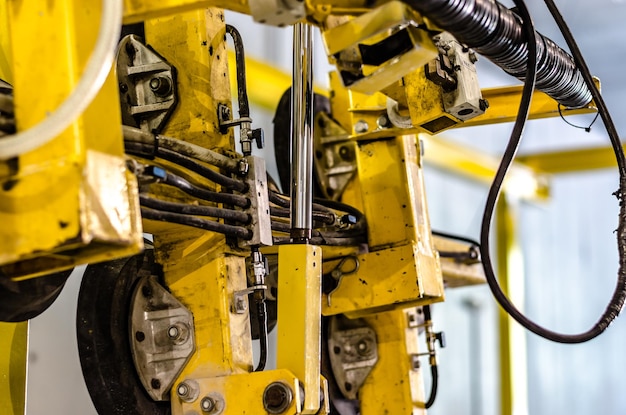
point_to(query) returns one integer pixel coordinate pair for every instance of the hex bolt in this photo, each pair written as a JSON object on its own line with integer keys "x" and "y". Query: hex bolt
{"x": 207, "y": 404}
{"x": 361, "y": 127}
{"x": 277, "y": 397}
{"x": 187, "y": 391}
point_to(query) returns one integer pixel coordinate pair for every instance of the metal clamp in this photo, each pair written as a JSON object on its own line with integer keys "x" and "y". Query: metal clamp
{"x": 147, "y": 84}
{"x": 162, "y": 340}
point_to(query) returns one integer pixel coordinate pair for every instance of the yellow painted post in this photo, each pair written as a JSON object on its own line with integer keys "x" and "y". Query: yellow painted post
{"x": 513, "y": 367}
{"x": 200, "y": 269}
{"x": 13, "y": 363}
{"x": 395, "y": 384}
{"x": 6, "y": 71}
{"x": 299, "y": 318}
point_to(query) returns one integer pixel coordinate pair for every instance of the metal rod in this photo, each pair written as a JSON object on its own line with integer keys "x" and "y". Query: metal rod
{"x": 302, "y": 134}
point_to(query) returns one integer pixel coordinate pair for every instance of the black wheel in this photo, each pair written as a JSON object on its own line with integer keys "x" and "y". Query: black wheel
{"x": 339, "y": 405}
{"x": 282, "y": 137}
{"x": 23, "y": 300}
{"x": 102, "y": 324}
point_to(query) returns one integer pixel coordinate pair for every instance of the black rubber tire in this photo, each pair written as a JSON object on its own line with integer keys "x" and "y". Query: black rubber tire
{"x": 102, "y": 325}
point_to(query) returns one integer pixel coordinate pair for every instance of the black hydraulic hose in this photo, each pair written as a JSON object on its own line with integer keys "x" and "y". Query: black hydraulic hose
{"x": 617, "y": 301}
{"x": 433, "y": 387}
{"x": 195, "y": 222}
{"x": 208, "y": 195}
{"x": 323, "y": 217}
{"x": 263, "y": 340}
{"x": 189, "y": 163}
{"x": 496, "y": 32}
{"x": 433, "y": 366}
{"x": 199, "y": 210}
{"x": 240, "y": 62}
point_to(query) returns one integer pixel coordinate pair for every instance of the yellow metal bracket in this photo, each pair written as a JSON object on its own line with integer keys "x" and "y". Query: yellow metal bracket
{"x": 71, "y": 201}
{"x": 140, "y": 10}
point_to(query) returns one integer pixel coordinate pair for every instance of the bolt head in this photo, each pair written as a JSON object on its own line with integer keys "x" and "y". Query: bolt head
{"x": 383, "y": 121}
{"x": 182, "y": 390}
{"x": 207, "y": 404}
{"x": 277, "y": 397}
{"x": 173, "y": 332}
{"x": 361, "y": 127}
{"x": 187, "y": 391}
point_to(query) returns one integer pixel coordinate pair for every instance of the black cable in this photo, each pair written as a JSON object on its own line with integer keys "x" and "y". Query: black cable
{"x": 208, "y": 195}
{"x": 139, "y": 149}
{"x": 195, "y": 222}
{"x": 199, "y": 210}
{"x": 587, "y": 129}
{"x": 472, "y": 253}
{"x": 455, "y": 237}
{"x": 320, "y": 240}
{"x": 619, "y": 295}
{"x": 240, "y": 62}
{"x": 207, "y": 173}
{"x": 284, "y": 201}
{"x": 263, "y": 340}
{"x": 322, "y": 217}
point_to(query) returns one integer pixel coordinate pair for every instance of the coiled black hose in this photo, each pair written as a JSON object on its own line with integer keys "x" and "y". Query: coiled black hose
{"x": 496, "y": 32}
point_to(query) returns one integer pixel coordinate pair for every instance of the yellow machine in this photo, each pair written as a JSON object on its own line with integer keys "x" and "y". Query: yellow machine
{"x": 193, "y": 250}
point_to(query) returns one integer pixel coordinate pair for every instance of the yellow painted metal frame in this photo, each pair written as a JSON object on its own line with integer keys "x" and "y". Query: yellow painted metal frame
{"x": 140, "y": 10}
{"x": 53, "y": 199}
{"x": 203, "y": 272}
{"x": 13, "y": 364}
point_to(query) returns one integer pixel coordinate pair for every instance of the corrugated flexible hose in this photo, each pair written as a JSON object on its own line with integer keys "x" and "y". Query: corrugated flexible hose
{"x": 496, "y": 32}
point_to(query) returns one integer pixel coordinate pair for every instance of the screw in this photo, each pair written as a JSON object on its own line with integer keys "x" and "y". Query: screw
{"x": 415, "y": 362}
{"x": 240, "y": 304}
{"x": 207, "y": 404}
{"x": 361, "y": 127}
{"x": 277, "y": 397}
{"x": 224, "y": 113}
{"x": 123, "y": 88}
{"x": 155, "y": 383}
{"x": 472, "y": 57}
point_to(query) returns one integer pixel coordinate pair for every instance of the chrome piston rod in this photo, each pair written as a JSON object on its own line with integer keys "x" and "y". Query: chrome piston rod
{"x": 302, "y": 134}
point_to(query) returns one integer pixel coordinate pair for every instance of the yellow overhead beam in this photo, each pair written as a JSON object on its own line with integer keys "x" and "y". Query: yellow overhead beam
{"x": 569, "y": 161}
{"x": 504, "y": 105}
{"x": 522, "y": 180}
